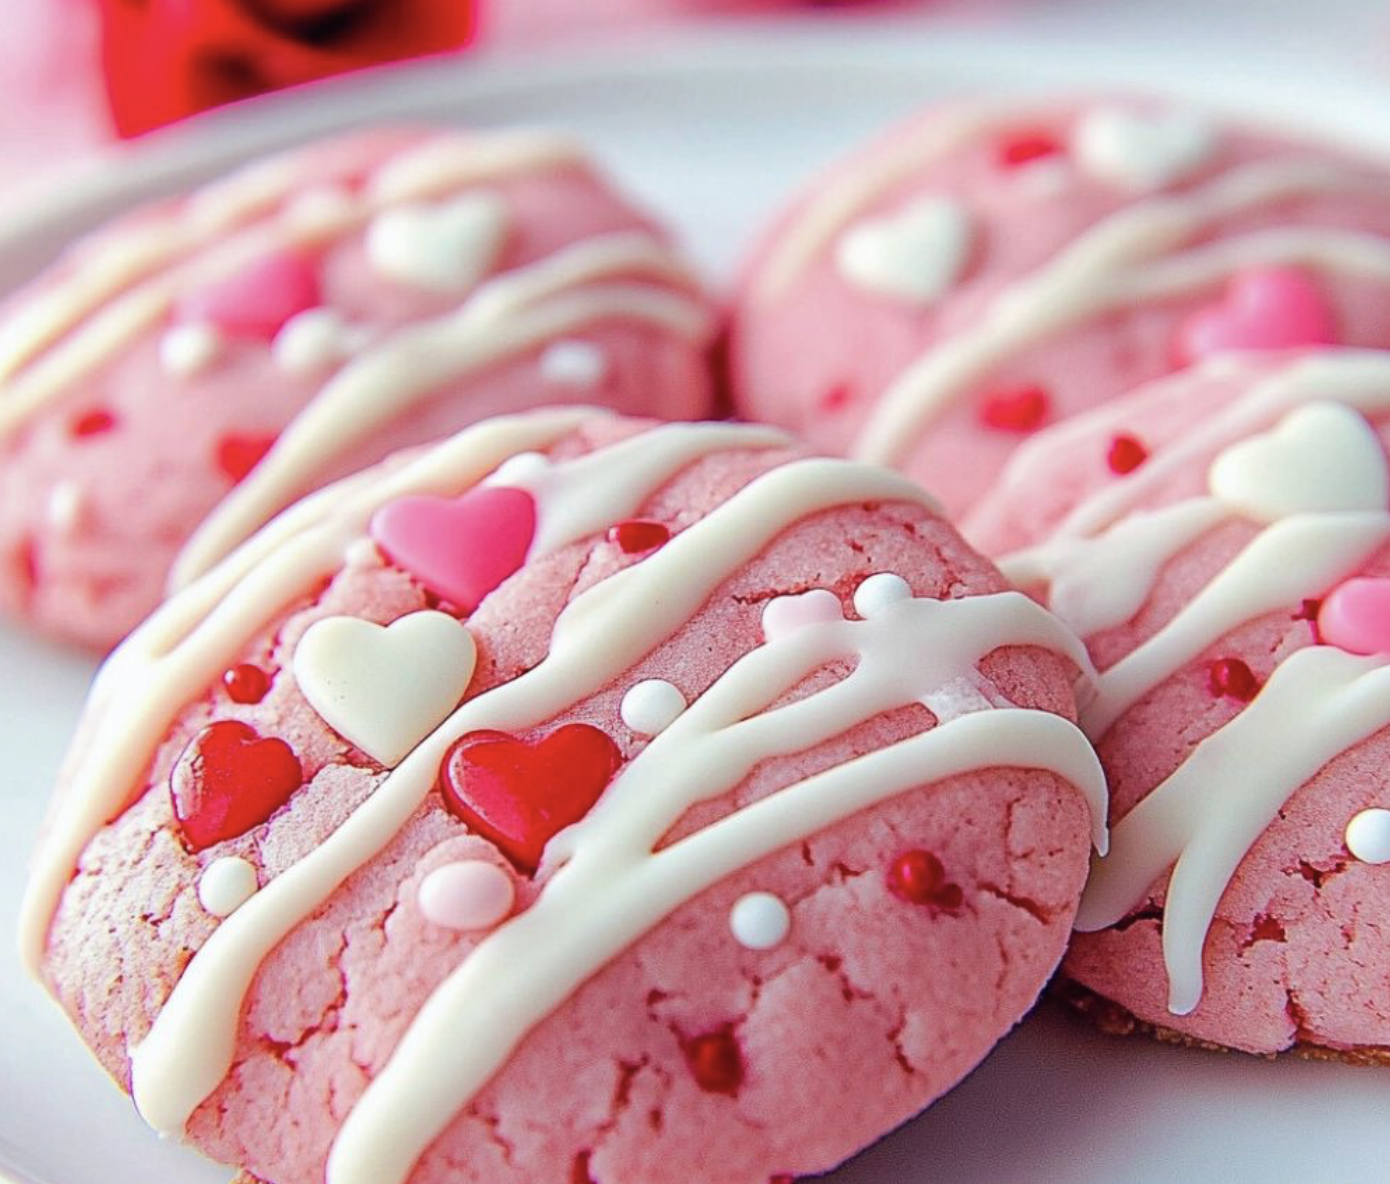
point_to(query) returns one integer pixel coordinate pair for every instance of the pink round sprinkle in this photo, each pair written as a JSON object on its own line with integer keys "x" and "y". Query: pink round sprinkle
{"x": 470, "y": 894}
{"x": 1356, "y": 617}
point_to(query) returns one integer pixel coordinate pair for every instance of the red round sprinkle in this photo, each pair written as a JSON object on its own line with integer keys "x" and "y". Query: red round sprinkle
{"x": 715, "y": 1061}
{"x": 1126, "y": 454}
{"x": 238, "y": 455}
{"x": 918, "y": 877}
{"x": 1233, "y": 678}
{"x": 837, "y": 398}
{"x": 93, "y": 423}
{"x": 1015, "y": 409}
{"x": 1026, "y": 147}
{"x": 246, "y": 683}
{"x": 639, "y": 535}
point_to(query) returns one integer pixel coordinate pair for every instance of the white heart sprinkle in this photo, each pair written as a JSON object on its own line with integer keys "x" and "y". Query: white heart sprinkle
{"x": 385, "y": 689}
{"x": 1368, "y": 836}
{"x": 574, "y": 363}
{"x": 914, "y": 255}
{"x": 651, "y": 706}
{"x": 760, "y": 921}
{"x": 189, "y": 349}
{"x": 226, "y": 884}
{"x": 1142, "y": 150}
{"x": 447, "y": 247}
{"x": 1321, "y": 458}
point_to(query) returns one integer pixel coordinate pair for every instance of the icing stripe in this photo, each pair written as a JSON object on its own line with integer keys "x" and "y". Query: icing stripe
{"x": 1119, "y": 262}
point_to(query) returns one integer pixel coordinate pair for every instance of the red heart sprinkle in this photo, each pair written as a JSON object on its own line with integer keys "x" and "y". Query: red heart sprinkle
{"x": 1125, "y": 454}
{"x": 639, "y": 535}
{"x": 458, "y": 548}
{"x": 228, "y": 780}
{"x": 1015, "y": 409}
{"x": 238, "y": 455}
{"x": 715, "y": 1061}
{"x": 918, "y": 877}
{"x": 1026, "y": 147}
{"x": 519, "y": 794}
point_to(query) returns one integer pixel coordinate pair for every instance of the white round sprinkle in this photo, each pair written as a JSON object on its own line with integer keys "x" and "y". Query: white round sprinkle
{"x": 65, "y": 506}
{"x": 186, "y": 350}
{"x": 878, "y": 592}
{"x": 574, "y": 363}
{"x": 651, "y": 706}
{"x": 470, "y": 894}
{"x": 760, "y": 921}
{"x": 1368, "y": 836}
{"x": 313, "y": 340}
{"x": 226, "y": 884}
{"x": 362, "y": 553}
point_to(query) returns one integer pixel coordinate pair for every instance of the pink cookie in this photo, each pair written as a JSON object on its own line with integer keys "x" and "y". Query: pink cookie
{"x": 225, "y": 353}
{"x": 1234, "y": 590}
{"x": 989, "y": 269}
{"x": 653, "y": 870}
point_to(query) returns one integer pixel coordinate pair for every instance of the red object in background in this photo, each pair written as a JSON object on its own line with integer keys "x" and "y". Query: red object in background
{"x": 164, "y": 59}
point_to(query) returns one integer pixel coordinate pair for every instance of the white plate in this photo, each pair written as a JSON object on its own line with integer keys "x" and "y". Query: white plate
{"x": 714, "y": 132}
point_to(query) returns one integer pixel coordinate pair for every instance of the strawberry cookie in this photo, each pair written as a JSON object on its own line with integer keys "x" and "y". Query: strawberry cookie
{"x": 577, "y": 801}
{"x": 1233, "y": 587}
{"x": 212, "y": 358}
{"x": 991, "y": 268}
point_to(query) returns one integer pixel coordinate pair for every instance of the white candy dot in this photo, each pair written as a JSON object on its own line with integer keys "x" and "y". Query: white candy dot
{"x": 878, "y": 592}
{"x": 574, "y": 363}
{"x": 313, "y": 340}
{"x": 226, "y": 884}
{"x": 651, "y": 706}
{"x": 186, "y": 350}
{"x": 1368, "y": 836}
{"x": 469, "y": 894}
{"x": 65, "y": 506}
{"x": 760, "y": 921}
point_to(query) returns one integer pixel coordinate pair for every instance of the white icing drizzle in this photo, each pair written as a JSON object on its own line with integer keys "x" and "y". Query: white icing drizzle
{"x": 585, "y": 914}
{"x": 611, "y": 884}
{"x": 138, "y": 274}
{"x": 1318, "y": 477}
{"x": 1136, "y": 255}
{"x": 589, "y": 281}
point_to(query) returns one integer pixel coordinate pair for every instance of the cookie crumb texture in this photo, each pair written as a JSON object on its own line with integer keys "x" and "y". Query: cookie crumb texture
{"x": 689, "y": 1055}
{"x": 226, "y": 352}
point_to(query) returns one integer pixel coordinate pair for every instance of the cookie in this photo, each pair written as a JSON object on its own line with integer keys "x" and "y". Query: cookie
{"x": 991, "y": 268}
{"x": 212, "y": 358}
{"x": 577, "y": 800}
{"x": 1233, "y": 589}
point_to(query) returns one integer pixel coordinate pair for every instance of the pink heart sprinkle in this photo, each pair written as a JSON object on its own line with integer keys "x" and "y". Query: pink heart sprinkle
{"x": 460, "y": 548}
{"x": 1356, "y": 617}
{"x": 257, "y": 300}
{"x": 1269, "y": 308}
{"x": 786, "y": 614}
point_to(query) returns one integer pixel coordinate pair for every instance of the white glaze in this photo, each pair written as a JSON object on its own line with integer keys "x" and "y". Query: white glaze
{"x": 385, "y": 689}
{"x": 651, "y": 706}
{"x": 1315, "y": 475}
{"x": 914, "y": 255}
{"x": 226, "y": 884}
{"x": 1368, "y": 835}
{"x": 760, "y": 921}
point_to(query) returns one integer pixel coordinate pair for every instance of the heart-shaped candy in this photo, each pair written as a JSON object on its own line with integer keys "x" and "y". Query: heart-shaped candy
{"x": 229, "y": 780}
{"x": 1322, "y": 458}
{"x": 1141, "y": 151}
{"x": 256, "y": 300}
{"x": 786, "y": 614}
{"x": 914, "y": 255}
{"x": 459, "y": 548}
{"x": 519, "y": 795}
{"x": 385, "y": 689}
{"x": 446, "y": 247}
{"x": 1355, "y": 617}
{"x": 1267, "y": 308}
